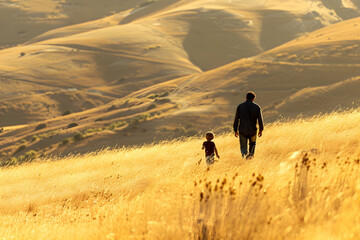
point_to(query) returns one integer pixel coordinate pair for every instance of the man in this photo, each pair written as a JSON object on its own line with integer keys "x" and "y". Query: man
{"x": 248, "y": 114}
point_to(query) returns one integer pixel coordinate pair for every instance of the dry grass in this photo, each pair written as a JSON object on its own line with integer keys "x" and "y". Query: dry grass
{"x": 301, "y": 185}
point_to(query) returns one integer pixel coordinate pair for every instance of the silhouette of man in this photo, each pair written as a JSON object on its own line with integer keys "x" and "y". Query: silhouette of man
{"x": 248, "y": 114}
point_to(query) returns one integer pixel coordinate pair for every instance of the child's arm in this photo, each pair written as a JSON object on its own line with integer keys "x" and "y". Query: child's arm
{"x": 216, "y": 152}
{"x": 203, "y": 146}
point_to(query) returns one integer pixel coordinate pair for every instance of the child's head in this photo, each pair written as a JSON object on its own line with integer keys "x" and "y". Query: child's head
{"x": 209, "y": 136}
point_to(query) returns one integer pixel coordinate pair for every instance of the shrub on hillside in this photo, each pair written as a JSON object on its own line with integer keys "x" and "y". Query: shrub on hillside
{"x": 30, "y": 155}
{"x": 93, "y": 130}
{"x": 71, "y": 125}
{"x": 151, "y": 106}
{"x": 78, "y": 137}
{"x": 145, "y": 3}
{"x": 34, "y": 138}
{"x": 117, "y": 125}
{"x": 158, "y": 95}
{"x": 112, "y": 108}
{"x": 65, "y": 141}
{"x": 67, "y": 112}
{"x": 20, "y": 148}
{"x": 40, "y": 126}
{"x": 27, "y": 157}
{"x": 138, "y": 119}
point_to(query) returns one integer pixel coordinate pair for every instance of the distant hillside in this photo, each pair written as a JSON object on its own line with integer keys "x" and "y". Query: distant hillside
{"x": 21, "y": 20}
{"x": 164, "y": 69}
{"x": 110, "y": 56}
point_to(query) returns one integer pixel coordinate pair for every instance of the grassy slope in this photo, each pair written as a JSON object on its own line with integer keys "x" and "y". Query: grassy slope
{"x": 106, "y": 59}
{"x": 308, "y": 75}
{"x": 149, "y": 191}
{"x": 29, "y": 18}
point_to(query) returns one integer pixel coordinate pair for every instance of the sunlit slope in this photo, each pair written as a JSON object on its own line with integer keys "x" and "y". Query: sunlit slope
{"x": 281, "y": 77}
{"x": 337, "y": 43}
{"x": 303, "y": 179}
{"x": 215, "y": 33}
{"x": 112, "y": 62}
{"x": 21, "y": 20}
{"x": 336, "y": 46}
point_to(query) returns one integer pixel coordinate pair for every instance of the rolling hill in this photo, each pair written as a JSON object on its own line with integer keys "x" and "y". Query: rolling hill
{"x": 163, "y": 69}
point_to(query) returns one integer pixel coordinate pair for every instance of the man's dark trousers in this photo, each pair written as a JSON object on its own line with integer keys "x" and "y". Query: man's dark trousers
{"x": 244, "y": 145}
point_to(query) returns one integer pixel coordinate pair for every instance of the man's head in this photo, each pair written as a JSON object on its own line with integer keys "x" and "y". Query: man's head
{"x": 250, "y": 96}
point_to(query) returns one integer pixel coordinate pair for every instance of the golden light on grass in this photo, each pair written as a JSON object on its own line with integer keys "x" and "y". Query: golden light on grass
{"x": 161, "y": 192}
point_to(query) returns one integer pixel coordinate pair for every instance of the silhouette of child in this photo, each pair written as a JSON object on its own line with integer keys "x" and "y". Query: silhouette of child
{"x": 210, "y": 148}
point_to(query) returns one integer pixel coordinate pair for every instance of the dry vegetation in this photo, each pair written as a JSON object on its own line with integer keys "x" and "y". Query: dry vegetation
{"x": 302, "y": 184}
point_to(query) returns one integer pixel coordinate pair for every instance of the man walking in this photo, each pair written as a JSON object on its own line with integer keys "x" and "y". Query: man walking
{"x": 248, "y": 114}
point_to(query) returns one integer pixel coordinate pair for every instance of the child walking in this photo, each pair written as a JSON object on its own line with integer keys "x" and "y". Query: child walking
{"x": 210, "y": 148}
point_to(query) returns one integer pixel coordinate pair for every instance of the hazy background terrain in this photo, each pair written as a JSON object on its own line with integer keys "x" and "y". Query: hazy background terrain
{"x": 78, "y": 76}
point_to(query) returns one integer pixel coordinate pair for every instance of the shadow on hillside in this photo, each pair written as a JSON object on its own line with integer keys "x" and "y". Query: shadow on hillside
{"x": 230, "y": 39}
{"x": 279, "y": 27}
{"x": 147, "y": 9}
{"x": 341, "y": 10}
{"x": 79, "y": 11}
{"x": 18, "y": 26}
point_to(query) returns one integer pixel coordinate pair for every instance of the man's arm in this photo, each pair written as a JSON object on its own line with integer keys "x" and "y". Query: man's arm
{"x": 236, "y": 122}
{"x": 261, "y": 123}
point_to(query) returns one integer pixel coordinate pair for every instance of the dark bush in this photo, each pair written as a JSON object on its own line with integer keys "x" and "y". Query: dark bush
{"x": 34, "y": 138}
{"x": 79, "y": 136}
{"x": 145, "y": 3}
{"x": 117, "y": 125}
{"x": 151, "y": 106}
{"x": 40, "y": 126}
{"x": 71, "y": 125}
{"x": 65, "y": 141}
{"x": 164, "y": 94}
{"x": 67, "y": 112}
{"x": 30, "y": 155}
{"x": 20, "y": 148}
{"x": 112, "y": 108}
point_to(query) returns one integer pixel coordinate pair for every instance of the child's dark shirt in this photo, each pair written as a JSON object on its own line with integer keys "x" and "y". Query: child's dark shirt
{"x": 209, "y": 148}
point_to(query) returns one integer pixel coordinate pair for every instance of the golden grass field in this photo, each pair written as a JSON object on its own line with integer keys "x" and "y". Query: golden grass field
{"x": 302, "y": 184}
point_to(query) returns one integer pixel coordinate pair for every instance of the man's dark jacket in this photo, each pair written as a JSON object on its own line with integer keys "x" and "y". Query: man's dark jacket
{"x": 247, "y": 114}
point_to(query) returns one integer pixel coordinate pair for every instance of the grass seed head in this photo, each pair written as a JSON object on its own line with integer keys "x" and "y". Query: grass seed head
{"x": 260, "y": 178}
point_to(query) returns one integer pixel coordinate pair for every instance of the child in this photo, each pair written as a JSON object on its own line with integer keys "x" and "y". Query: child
{"x": 210, "y": 148}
